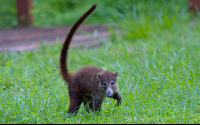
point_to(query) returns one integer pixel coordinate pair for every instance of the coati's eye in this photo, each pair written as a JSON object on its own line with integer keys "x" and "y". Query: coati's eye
{"x": 104, "y": 84}
{"x": 112, "y": 83}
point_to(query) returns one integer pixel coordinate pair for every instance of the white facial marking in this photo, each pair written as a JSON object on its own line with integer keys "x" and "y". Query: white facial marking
{"x": 116, "y": 88}
{"x": 112, "y": 83}
{"x": 109, "y": 91}
{"x": 99, "y": 85}
{"x": 104, "y": 84}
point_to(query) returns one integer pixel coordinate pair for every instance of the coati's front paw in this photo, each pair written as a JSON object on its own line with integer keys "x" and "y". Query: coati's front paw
{"x": 118, "y": 103}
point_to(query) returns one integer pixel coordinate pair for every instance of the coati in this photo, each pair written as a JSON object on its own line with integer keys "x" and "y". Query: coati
{"x": 90, "y": 84}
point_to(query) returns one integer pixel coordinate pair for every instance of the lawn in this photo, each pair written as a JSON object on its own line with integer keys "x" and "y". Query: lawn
{"x": 156, "y": 54}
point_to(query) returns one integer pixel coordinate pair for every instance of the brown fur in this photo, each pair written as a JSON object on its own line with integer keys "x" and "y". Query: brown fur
{"x": 90, "y": 84}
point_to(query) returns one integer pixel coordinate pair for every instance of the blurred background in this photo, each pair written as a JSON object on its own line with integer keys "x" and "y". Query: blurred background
{"x": 65, "y": 12}
{"x": 145, "y": 16}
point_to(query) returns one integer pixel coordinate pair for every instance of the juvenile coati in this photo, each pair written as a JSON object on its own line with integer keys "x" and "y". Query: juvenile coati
{"x": 90, "y": 84}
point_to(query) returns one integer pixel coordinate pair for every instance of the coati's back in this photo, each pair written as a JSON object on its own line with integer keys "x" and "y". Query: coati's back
{"x": 85, "y": 79}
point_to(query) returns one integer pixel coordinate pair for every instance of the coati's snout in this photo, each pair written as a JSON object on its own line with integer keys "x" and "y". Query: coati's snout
{"x": 108, "y": 80}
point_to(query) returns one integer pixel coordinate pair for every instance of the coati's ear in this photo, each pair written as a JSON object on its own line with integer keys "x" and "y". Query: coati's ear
{"x": 115, "y": 73}
{"x": 99, "y": 75}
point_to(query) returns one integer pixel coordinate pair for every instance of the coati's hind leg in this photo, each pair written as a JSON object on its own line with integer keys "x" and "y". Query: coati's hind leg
{"x": 75, "y": 103}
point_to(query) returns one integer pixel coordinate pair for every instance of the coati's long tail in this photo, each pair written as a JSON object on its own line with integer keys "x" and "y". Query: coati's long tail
{"x": 64, "y": 54}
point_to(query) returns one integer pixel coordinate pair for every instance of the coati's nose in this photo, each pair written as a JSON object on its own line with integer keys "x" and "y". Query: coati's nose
{"x": 109, "y": 93}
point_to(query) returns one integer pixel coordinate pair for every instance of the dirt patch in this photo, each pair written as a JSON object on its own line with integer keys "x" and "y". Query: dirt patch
{"x": 27, "y": 38}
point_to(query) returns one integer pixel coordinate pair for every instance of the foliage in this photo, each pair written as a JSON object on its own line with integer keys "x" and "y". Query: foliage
{"x": 64, "y": 12}
{"x": 8, "y": 13}
{"x": 149, "y": 17}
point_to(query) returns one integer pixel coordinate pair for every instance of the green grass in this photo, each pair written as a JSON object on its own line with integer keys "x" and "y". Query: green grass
{"x": 158, "y": 80}
{"x": 158, "y": 60}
